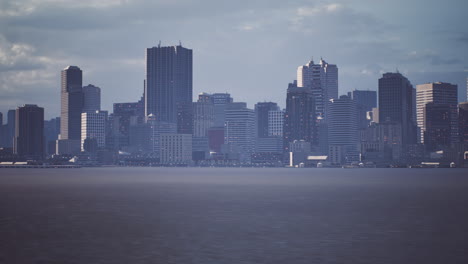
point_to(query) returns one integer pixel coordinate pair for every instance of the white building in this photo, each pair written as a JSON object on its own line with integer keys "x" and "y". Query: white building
{"x": 176, "y": 149}
{"x": 275, "y": 123}
{"x": 93, "y": 126}
{"x": 322, "y": 79}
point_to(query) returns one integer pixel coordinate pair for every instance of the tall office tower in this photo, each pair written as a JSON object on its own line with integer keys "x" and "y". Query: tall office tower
{"x": 240, "y": 130}
{"x": 51, "y": 133}
{"x": 322, "y": 79}
{"x": 438, "y": 94}
{"x": 396, "y": 104}
{"x": 463, "y": 124}
{"x": 72, "y": 103}
{"x": 168, "y": 91}
{"x": 299, "y": 118}
{"x": 275, "y": 123}
{"x": 365, "y": 100}
{"x": 438, "y": 126}
{"x": 220, "y": 100}
{"x": 93, "y": 127}
{"x": 261, "y": 116}
{"x": 7, "y": 133}
{"x": 91, "y": 98}
{"x": 29, "y": 132}
{"x": 203, "y": 115}
{"x": 343, "y": 137}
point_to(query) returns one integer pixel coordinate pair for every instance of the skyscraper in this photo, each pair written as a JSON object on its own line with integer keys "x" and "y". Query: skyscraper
{"x": 72, "y": 103}
{"x": 463, "y": 124}
{"x": 322, "y": 80}
{"x": 203, "y": 115}
{"x": 299, "y": 118}
{"x": 91, "y": 98}
{"x": 275, "y": 123}
{"x": 396, "y": 104}
{"x": 262, "y": 110}
{"x": 343, "y": 138}
{"x": 438, "y": 94}
{"x": 29, "y": 132}
{"x": 240, "y": 130}
{"x": 220, "y": 100}
{"x": 168, "y": 91}
{"x": 93, "y": 126}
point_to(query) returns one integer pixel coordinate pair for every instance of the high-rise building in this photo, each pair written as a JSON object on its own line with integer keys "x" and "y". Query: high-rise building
{"x": 275, "y": 123}
{"x": 299, "y": 118}
{"x": 463, "y": 124}
{"x": 437, "y": 125}
{"x": 91, "y": 98}
{"x": 51, "y": 133}
{"x": 445, "y": 96}
{"x": 365, "y": 101}
{"x": 203, "y": 115}
{"x": 93, "y": 126}
{"x": 220, "y": 100}
{"x": 343, "y": 137}
{"x": 7, "y": 133}
{"x": 261, "y": 115}
{"x": 29, "y": 132}
{"x": 396, "y": 104}
{"x": 168, "y": 91}
{"x": 72, "y": 103}
{"x": 322, "y": 79}
{"x": 240, "y": 130}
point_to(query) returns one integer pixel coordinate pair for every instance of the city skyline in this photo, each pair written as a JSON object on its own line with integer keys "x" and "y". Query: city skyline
{"x": 226, "y": 38}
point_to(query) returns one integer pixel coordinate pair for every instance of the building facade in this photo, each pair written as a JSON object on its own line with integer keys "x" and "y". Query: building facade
{"x": 93, "y": 126}
{"x": 396, "y": 104}
{"x": 29, "y": 132}
{"x": 168, "y": 89}
{"x": 441, "y": 96}
{"x": 299, "y": 118}
{"x": 91, "y": 98}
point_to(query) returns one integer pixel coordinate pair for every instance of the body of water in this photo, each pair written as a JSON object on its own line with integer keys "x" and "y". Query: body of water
{"x": 233, "y": 215}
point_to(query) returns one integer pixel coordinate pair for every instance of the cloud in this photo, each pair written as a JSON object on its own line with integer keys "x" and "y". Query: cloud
{"x": 431, "y": 57}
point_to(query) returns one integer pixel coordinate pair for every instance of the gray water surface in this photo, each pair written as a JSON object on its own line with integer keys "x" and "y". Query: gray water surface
{"x": 233, "y": 215}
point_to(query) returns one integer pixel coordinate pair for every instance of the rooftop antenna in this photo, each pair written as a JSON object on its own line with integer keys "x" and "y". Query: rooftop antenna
{"x": 159, "y": 45}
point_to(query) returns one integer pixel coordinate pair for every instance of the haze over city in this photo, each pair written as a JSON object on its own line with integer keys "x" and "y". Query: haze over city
{"x": 249, "y": 49}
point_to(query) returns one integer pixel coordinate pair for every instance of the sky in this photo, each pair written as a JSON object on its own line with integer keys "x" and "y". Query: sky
{"x": 250, "y": 49}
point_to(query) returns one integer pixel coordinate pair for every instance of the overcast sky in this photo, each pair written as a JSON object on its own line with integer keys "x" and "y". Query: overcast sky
{"x": 250, "y": 49}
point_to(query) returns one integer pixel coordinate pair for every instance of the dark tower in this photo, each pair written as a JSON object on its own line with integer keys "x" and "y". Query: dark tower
{"x": 396, "y": 104}
{"x": 299, "y": 119}
{"x": 261, "y": 113}
{"x": 168, "y": 91}
{"x": 29, "y": 132}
